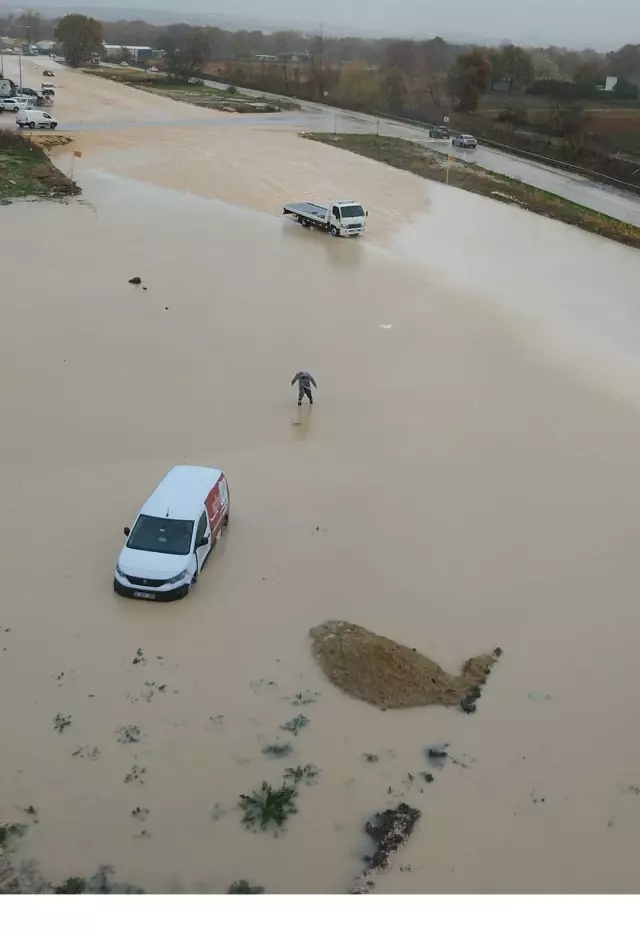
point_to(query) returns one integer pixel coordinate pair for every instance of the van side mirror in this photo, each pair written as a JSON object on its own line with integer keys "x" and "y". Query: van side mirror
{"x": 202, "y": 542}
{"x": 126, "y": 531}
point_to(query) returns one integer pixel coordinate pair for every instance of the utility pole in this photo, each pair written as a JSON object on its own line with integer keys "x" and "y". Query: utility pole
{"x": 20, "y": 66}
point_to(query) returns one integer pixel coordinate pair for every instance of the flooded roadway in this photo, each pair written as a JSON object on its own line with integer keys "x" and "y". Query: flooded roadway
{"x": 466, "y": 480}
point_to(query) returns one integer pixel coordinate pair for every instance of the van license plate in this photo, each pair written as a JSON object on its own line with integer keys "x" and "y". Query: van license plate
{"x": 144, "y": 595}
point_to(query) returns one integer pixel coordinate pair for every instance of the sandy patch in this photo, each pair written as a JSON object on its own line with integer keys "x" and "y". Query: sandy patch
{"x": 387, "y": 674}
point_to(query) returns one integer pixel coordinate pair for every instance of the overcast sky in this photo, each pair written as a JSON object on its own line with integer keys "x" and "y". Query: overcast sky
{"x": 574, "y": 23}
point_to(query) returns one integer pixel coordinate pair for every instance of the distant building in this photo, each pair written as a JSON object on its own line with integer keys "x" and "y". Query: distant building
{"x": 135, "y": 53}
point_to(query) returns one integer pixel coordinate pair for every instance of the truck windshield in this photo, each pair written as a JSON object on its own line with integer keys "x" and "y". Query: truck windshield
{"x": 351, "y": 211}
{"x": 161, "y": 535}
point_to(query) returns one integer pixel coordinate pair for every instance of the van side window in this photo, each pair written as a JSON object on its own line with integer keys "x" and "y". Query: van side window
{"x": 202, "y": 528}
{"x": 335, "y": 211}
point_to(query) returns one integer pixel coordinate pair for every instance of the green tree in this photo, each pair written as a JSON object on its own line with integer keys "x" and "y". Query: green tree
{"x": 80, "y": 37}
{"x": 394, "y": 90}
{"x": 543, "y": 65}
{"x": 625, "y": 63}
{"x": 468, "y": 79}
{"x": 516, "y": 64}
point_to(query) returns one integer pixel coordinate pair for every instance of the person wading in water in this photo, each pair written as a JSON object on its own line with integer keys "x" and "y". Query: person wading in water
{"x": 305, "y": 380}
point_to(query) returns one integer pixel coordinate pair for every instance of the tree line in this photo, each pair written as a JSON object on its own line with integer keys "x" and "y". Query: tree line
{"x": 403, "y": 76}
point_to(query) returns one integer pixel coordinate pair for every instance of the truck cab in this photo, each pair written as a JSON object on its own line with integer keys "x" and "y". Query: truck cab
{"x": 346, "y": 218}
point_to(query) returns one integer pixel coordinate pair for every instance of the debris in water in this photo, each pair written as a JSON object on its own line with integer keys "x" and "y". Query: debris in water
{"x": 277, "y": 751}
{"x": 536, "y": 695}
{"x": 427, "y": 776}
{"x": 296, "y": 724}
{"x": 129, "y": 734}
{"x": 72, "y": 886}
{"x": 86, "y": 751}
{"x": 371, "y": 758}
{"x": 306, "y": 773}
{"x": 135, "y": 774}
{"x": 98, "y": 884}
{"x": 136, "y": 281}
{"x": 140, "y": 813}
{"x": 61, "y": 722}
{"x": 389, "y": 830}
{"x": 268, "y": 806}
{"x": 9, "y": 831}
{"x": 388, "y": 675}
{"x": 632, "y": 789}
{"x": 139, "y": 658}
{"x": 32, "y": 812}
{"x": 304, "y": 698}
{"x": 468, "y": 704}
{"x": 242, "y": 887}
{"x": 437, "y": 754}
{"x": 217, "y": 812}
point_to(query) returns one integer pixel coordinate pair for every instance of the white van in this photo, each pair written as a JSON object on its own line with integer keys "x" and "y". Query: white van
{"x": 173, "y": 535}
{"x": 36, "y": 119}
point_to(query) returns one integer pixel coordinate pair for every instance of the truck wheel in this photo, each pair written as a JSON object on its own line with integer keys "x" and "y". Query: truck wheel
{"x": 334, "y": 231}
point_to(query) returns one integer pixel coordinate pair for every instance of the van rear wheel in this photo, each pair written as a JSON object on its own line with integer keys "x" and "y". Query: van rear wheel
{"x": 32, "y": 125}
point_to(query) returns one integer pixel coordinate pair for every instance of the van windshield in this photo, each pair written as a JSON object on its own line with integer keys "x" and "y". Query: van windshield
{"x": 351, "y": 211}
{"x": 161, "y": 535}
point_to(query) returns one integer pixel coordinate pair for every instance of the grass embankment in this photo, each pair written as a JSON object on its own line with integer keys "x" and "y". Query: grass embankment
{"x": 412, "y": 157}
{"x": 220, "y": 99}
{"x": 27, "y": 172}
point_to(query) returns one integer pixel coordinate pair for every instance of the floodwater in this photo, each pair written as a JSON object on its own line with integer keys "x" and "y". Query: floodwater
{"x": 467, "y": 479}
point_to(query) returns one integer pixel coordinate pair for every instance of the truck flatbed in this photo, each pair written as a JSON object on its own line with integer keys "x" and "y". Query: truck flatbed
{"x": 306, "y": 208}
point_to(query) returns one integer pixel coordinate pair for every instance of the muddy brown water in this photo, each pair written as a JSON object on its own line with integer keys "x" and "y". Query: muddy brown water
{"x": 467, "y": 479}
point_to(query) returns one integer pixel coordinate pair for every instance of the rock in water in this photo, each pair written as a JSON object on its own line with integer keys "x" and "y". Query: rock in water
{"x": 389, "y": 830}
{"x": 388, "y": 675}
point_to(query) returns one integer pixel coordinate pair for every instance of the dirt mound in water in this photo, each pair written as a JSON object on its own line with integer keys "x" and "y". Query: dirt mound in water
{"x": 388, "y": 675}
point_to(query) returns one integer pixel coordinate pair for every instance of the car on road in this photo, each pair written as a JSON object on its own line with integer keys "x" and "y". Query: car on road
{"x": 48, "y": 88}
{"x": 173, "y": 535}
{"x": 154, "y": 69}
{"x": 15, "y": 104}
{"x": 464, "y": 140}
{"x": 439, "y": 133}
{"x": 48, "y": 73}
{"x": 40, "y": 120}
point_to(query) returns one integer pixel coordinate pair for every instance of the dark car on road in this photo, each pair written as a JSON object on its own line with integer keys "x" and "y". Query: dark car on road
{"x": 439, "y": 133}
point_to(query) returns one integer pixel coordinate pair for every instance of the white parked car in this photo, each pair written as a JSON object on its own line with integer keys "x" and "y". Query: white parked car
{"x": 48, "y": 88}
{"x": 40, "y": 120}
{"x": 15, "y": 104}
{"x": 464, "y": 140}
{"x": 174, "y": 534}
